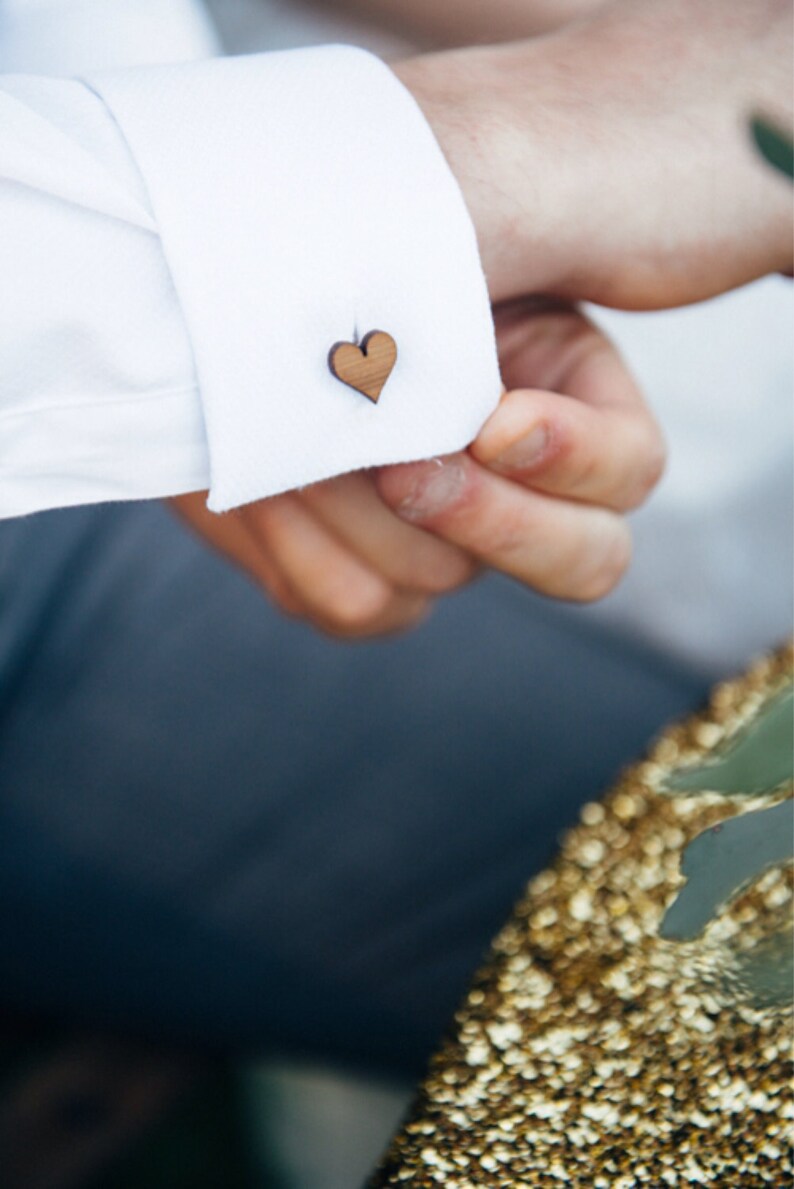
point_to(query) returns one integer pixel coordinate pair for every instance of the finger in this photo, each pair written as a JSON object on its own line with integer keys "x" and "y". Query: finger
{"x": 609, "y": 455}
{"x": 341, "y": 593}
{"x": 408, "y": 557}
{"x": 603, "y": 445}
{"x": 544, "y": 343}
{"x": 229, "y": 535}
{"x": 561, "y": 548}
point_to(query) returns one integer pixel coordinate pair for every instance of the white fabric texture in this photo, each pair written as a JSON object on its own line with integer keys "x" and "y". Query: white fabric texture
{"x": 98, "y": 396}
{"x": 233, "y": 218}
{"x": 312, "y": 205}
{"x": 711, "y": 576}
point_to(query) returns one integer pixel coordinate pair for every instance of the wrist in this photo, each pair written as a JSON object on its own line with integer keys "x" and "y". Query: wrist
{"x": 612, "y": 161}
{"x": 467, "y": 97}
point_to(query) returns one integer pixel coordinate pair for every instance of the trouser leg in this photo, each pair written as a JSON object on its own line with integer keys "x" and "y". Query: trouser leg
{"x": 219, "y": 827}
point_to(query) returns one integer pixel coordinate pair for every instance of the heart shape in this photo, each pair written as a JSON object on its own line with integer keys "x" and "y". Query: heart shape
{"x": 366, "y": 367}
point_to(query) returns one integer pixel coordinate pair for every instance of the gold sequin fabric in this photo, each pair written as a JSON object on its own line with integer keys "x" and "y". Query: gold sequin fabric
{"x": 594, "y": 1051}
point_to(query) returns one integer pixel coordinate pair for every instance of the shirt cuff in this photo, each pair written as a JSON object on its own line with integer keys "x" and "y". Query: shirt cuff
{"x": 302, "y": 200}
{"x": 121, "y": 448}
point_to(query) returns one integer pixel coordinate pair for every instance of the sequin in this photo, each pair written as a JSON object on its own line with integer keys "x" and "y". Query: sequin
{"x": 590, "y": 1050}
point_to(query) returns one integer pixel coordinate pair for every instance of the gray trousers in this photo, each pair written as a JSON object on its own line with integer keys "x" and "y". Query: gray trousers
{"x": 218, "y": 828}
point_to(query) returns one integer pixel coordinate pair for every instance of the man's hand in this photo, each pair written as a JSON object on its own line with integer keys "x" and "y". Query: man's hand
{"x": 541, "y": 493}
{"x": 608, "y": 162}
{"x": 538, "y": 496}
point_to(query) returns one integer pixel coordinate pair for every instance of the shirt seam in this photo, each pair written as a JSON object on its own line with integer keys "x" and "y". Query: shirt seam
{"x": 90, "y": 86}
{"x": 96, "y": 402}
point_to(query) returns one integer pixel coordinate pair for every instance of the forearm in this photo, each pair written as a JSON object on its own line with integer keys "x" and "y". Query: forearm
{"x": 612, "y": 160}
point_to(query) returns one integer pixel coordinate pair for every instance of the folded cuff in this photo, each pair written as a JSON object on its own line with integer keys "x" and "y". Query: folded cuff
{"x": 303, "y": 200}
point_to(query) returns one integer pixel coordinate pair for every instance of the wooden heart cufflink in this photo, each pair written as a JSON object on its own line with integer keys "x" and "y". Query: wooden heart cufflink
{"x": 366, "y": 367}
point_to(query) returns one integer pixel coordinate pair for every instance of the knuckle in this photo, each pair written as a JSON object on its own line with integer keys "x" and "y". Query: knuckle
{"x": 657, "y": 460}
{"x": 445, "y": 575}
{"x": 587, "y": 472}
{"x": 504, "y": 536}
{"x": 352, "y": 607}
{"x": 612, "y": 560}
{"x": 653, "y": 455}
{"x": 396, "y": 618}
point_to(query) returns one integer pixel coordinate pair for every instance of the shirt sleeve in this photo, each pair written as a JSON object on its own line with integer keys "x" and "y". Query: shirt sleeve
{"x": 182, "y": 246}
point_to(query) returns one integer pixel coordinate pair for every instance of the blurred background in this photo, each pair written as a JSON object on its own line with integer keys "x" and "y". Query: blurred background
{"x": 720, "y": 379}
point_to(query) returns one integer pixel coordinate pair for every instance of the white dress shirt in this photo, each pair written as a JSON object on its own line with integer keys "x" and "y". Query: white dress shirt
{"x": 182, "y": 245}
{"x": 711, "y": 577}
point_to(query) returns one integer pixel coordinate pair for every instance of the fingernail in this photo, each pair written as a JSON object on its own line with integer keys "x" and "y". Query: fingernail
{"x": 524, "y": 453}
{"x": 434, "y": 488}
